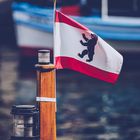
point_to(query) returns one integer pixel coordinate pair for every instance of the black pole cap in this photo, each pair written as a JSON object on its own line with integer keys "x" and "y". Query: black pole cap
{"x": 24, "y": 110}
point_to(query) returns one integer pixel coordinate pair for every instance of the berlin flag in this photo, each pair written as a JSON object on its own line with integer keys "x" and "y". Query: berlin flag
{"x": 79, "y": 49}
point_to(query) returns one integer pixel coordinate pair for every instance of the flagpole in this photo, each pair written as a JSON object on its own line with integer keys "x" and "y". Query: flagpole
{"x": 54, "y": 9}
{"x": 46, "y": 86}
{"x": 46, "y": 96}
{"x": 54, "y": 6}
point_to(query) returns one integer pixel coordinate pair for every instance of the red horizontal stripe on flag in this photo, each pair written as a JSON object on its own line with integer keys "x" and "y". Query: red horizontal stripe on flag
{"x": 60, "y": 17}
{"x": 71, "y": 63}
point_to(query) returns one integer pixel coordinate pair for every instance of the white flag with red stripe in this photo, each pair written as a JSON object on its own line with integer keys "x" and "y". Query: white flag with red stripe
{"x": 79, "y": 49}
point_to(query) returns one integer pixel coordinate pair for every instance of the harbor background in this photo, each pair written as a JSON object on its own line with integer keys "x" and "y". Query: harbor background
{"x": 87, "y": 109}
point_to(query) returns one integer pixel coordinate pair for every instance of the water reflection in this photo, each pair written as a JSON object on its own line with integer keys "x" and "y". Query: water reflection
{"x": 87, "y": 109}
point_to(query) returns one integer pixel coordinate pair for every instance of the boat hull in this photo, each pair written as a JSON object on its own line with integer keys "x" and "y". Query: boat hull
{"x": 30, "y": 39}
{"x": 34, "y": 29}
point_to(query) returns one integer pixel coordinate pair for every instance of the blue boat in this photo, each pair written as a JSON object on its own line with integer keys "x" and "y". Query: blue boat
{"x": 34, "y": 26}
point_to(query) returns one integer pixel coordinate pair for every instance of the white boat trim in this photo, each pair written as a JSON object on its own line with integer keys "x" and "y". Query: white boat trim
{"x": 27, "y": 36}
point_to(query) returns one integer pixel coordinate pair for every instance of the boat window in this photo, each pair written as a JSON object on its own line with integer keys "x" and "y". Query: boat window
{"x": 130, "y": 8}
{"x": 91, "y": 7}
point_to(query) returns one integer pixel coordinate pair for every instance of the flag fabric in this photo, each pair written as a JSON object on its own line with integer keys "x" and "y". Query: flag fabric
{"x": 79, "y": 49}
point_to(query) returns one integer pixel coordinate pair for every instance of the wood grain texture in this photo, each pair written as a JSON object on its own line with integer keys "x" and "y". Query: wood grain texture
{"x": 46, "y": 88}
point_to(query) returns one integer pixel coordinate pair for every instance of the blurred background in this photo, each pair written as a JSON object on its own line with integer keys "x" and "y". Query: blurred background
{"x": 87, "y": 109}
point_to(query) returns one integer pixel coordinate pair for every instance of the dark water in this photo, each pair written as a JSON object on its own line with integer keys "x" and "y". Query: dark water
{"x": 87, "y": 109}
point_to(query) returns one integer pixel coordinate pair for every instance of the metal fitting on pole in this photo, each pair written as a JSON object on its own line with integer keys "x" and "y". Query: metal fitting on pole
{"x": 44, "y": 57}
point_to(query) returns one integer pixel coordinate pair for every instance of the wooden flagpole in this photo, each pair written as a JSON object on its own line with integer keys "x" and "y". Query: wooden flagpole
{"x": 46, "y": 88}
{"x": 46, "y": 97}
